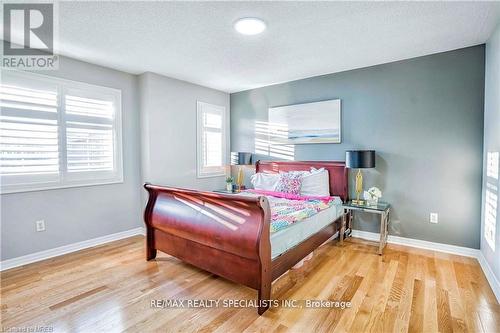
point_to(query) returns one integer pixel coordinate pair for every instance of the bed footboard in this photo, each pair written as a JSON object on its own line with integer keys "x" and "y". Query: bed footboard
{"x": 226, "y": 235}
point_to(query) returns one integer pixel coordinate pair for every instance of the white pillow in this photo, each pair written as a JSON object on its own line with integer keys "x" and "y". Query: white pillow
{"x": 316, "y": 183}
{"x": 265, "y": 181}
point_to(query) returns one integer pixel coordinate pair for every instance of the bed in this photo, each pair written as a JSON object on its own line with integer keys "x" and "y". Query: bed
{"x": 229, "y": 235}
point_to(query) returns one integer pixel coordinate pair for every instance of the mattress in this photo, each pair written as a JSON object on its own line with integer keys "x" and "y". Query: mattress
{"x": 285, "y": 239}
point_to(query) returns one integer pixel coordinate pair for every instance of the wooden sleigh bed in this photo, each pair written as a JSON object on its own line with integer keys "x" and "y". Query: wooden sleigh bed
{"x": 228, "y": 235}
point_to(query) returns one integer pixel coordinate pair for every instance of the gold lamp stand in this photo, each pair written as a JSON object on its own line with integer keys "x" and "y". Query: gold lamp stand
{"x": 241, "y": 159}
{"x": 239, "y": 179}
{"x": 359, "y": 188}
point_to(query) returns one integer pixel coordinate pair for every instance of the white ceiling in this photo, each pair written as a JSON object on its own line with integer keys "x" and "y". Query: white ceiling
{"x": 196, "y": 41}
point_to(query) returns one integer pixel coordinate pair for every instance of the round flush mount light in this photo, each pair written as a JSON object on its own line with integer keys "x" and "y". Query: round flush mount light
{"x": 250, "y": 26}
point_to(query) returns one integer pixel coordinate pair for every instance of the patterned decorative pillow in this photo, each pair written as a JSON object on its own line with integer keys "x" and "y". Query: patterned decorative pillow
{"x": 289, "y": 182}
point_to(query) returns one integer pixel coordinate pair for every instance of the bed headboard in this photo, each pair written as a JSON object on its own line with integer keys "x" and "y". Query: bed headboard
{"x": 336, "y": 170}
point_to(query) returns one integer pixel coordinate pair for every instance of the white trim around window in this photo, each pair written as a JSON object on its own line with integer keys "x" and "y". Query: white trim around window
{"x": 57, "y": 133}
{"x": 212, "y": 127}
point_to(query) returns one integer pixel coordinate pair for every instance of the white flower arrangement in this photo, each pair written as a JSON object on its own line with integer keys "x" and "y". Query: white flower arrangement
{"x": 372, "y": 195}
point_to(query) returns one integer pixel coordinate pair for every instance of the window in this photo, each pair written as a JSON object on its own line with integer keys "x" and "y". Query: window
{"x": 212, "y": 135}
{"x": 491, "y": 198}
{"x": 492, "y": 165}
{"x": 57, "y": 133}
{"x": 490, "y": 215}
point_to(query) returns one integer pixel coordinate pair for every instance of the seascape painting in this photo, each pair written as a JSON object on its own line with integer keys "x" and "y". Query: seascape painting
{"x": 318, "y": 122}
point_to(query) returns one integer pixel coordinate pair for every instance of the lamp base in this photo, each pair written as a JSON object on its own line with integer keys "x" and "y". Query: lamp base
{"x": 358, "y": 202}
{"x": 359, "y": 189}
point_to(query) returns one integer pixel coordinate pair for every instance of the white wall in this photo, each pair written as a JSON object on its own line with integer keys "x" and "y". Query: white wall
{"x": 166, "y": 110}
{"x": 168, "y": 131}
{"x": 76, "y": 214}
{"x": 492, "y": 142}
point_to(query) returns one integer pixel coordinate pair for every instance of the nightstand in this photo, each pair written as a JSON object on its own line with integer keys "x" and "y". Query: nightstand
{"x": 381, "y": 208}
{"x": 224, "y": 191}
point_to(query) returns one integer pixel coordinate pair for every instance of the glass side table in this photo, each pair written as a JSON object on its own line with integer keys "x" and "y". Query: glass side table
{"x": 381, "y": 208}
{"x": 223, "y": 190}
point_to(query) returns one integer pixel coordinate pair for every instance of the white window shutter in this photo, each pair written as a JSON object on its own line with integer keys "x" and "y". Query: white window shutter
{"x": 29, "y": 138}
{"x": 57, "y": 133}
{"x": 212, "y": 134}
{"x": 89, "y": 133}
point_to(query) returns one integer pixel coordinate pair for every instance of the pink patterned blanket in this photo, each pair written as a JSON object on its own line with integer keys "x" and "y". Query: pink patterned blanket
{"x": 287, "y": 209}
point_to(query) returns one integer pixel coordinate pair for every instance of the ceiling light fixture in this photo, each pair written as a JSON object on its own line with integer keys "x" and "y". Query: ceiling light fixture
{"x": 250, "y": 26}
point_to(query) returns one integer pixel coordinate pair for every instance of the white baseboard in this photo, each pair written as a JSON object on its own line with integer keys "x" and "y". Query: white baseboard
{"x": 421, "y": 244}
{"x": 452, "y": 249}
{"x": 42, "y": 255}
{"x": 490, "y": 276}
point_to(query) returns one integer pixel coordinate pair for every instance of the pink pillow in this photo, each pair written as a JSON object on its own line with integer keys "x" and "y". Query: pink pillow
{"x": 289, "y": 182}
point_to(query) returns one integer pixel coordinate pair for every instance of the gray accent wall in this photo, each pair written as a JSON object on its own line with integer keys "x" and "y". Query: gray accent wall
{"x": 76, "y": 214}
{"x": 423, "y": 116}
{"x": 168, "y": 135}
{"x": 492, "y": 143}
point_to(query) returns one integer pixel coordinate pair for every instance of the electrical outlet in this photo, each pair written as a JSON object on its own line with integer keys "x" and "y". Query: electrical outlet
{"x": 40, "y": 225}
{"x": 434, "y": 218}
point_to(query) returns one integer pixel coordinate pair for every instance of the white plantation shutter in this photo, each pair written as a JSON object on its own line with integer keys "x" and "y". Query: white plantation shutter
{"x": 212, "y": 149}
{"x": 29, "y": 146}
{"x": 57, "y": 133}
{"x": 89, "y": 132}
{"x": 89, "y": 147}
{"x": 212, "y": 131}
{"x": 29, "y": 138}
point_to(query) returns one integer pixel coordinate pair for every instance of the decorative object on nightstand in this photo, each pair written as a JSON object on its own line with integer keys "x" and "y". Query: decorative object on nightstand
{"x": 229, "y": 184}
{"x": 359, "y": 159}
{"x": 241, "y": 159}
{"x": 381, "y": 208}
{"x": 372, "y": 196}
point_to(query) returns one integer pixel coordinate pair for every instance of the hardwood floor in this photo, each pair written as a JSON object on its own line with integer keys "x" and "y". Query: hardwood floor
{"x": 110, "y": 288}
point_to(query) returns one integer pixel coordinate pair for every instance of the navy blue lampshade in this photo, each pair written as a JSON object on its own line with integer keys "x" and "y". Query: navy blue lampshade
{"x": 360, "y": 159}
{"x": 241, "y": 158}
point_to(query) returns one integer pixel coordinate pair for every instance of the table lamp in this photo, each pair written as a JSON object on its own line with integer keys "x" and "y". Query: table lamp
{"x": 359, "y": 159}
{"x": 242, "y": 159}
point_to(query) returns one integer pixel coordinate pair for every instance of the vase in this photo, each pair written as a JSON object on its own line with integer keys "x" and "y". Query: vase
{"x": 229, "y": 187}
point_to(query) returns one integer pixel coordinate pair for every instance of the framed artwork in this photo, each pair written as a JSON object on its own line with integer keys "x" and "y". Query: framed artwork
{"x": 318, "y": 122}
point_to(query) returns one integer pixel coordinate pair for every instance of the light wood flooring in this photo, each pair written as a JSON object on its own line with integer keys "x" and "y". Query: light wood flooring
{"x": 110, "y": 288}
